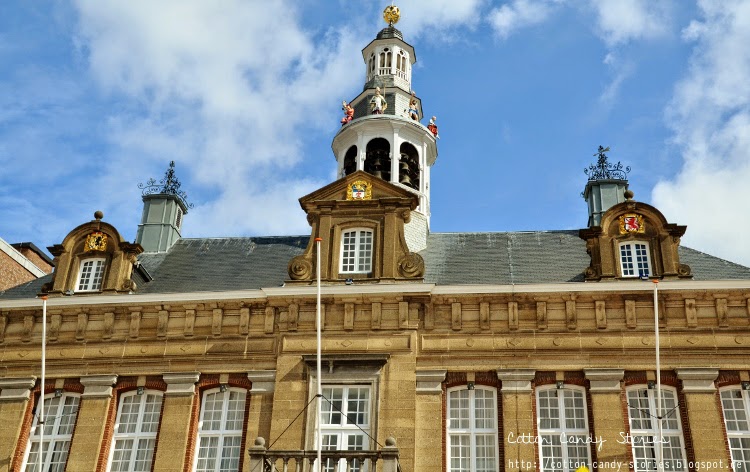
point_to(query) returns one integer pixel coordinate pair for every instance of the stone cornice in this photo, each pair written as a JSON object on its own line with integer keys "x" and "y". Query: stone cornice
{"x": 396, "y": 289}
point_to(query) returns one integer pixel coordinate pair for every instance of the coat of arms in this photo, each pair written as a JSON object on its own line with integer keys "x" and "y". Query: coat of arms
{"x": 359, "y": 190}
{"x": 631, "y": 223}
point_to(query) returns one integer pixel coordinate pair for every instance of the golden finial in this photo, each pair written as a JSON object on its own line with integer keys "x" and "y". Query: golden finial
{"x": 391, "y": 14}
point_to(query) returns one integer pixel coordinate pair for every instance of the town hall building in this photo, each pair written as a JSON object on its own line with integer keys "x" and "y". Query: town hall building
{"x": 445, "y": 352}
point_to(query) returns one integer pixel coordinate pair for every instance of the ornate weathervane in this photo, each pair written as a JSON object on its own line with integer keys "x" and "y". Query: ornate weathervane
{"x": 391, "y": 14}
{"x": 169, "y": 185}
{"x": 603, "y": 170}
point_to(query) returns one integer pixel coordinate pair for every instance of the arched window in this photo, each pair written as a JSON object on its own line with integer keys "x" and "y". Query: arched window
{"x": 634, "y": 259}
{"x": 371, "y": 65}
{"x": 644, "y": 429}
{"x": 137, "y": 424}
{"x": 401, "y": 64}
{"x": 563, "y": 428}
{"x": 472, "y": 429}
{"x": 408, "y": 170}
{"x": 91, "y": 274}
{"x": 385, "y": 61}
{"x": 735, "y": 405}
{"x": 350, "y": 160}
{"x": 220, "y": 430}
{"x": 356, "y": 251}
{"x": 60, "y": 413}
{"x": 378, "y": 158}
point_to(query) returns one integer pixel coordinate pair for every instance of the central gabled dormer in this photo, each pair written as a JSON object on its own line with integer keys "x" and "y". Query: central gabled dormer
{"x": 360, "y": 220}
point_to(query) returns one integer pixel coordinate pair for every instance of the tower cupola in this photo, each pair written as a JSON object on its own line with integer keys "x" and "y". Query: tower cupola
{"x": 164, "y": 208}
{"x": 382, "y": 131}
{"x": 606, "y": 186}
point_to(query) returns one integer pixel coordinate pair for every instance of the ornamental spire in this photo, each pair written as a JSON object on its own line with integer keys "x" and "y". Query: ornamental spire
{"x": 603, "y": 170}
{"x": 169, "y": 185}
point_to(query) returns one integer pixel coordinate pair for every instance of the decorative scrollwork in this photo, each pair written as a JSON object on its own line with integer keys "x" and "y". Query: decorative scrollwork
{"x": 169, "y": 185}
{"x": 683, "y": 270}
{"x": 411, "y": 265}
{"x": 604, "y": 170}
{"x": 300, "y": 268}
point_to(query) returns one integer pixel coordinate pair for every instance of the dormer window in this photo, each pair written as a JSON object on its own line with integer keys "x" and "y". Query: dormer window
{"x": 634, "y": 259}
{"x": 91, "y": 275}
{"x": 356, "y": 251}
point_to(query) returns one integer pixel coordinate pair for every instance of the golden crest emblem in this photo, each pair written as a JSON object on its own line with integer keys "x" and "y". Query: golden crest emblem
{"x": 632, "y": 223}
{"x": 359, "y": 190}
{"x": 96, "y": 241}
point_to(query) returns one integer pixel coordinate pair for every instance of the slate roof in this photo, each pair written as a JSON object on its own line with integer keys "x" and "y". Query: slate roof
{"x": 223, "y": 264}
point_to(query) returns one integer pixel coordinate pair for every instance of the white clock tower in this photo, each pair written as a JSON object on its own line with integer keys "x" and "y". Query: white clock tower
{"x": 383, "y": 134}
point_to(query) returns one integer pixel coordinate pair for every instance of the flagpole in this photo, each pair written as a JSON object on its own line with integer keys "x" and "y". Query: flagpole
{"x": 660, "y": 455}
{"x": 40, "y": 422}
{"x": 319, "y": 445}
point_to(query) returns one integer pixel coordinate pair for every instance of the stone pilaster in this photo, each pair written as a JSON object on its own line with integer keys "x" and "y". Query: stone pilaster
{"x": 518, "y": 419}
{"x": 14, "y": 401}
{"x": 260, "y": 408}
{"x": 705, "y": 417}
{"x": 174, "y": 432}
{"x": 92, "y": 422}
{"x": 609, "y": 422}
{"x": 428, "y": 425}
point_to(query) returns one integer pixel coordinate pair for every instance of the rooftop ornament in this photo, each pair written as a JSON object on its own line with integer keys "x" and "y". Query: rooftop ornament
{"x": 391, "y": 14}
{"x": 603, "y": 170}
{"x": 169, "y": 185}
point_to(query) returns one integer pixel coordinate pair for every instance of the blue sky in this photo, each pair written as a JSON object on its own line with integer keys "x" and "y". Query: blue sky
{"x": 96, "y": 97}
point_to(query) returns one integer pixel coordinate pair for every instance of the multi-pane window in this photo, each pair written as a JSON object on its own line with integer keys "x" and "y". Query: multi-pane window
{"x": 345, "y": 422}
{"x": 220, "y": 430}
{"x": 563, "y": 429}
{"x": 60, "y": 414}
{"x": 90, "y": 275}
{"x": 735, "y": 403}
{"x": 648, "y": 447}
{"x": 135, "y": 431}
{"x": 472, "y": 430}
{"x": 634, "y": 259}
{"x": 356, "y": 251}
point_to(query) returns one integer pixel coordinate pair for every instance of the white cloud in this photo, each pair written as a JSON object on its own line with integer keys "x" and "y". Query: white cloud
{"x": 519, "y": 14}
{"x": 710, "y": 115}
{"x": 224, "y": 88}
{"x": 620, "y": 71}
{"x": 619, "y": 21}
{"x": 426, "y": 18}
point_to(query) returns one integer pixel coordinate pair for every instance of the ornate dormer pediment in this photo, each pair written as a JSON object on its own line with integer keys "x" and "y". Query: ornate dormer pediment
{"x": 93, "y": 258}
{"x": 634, "y": 240}
{"x": 360, "y": 220}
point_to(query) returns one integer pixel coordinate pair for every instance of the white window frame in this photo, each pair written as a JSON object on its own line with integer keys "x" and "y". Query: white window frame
{"x": 356, "y": 260}
{"x": 344, "y": 431}
{"x": 637, "y": 249}
{"x": 94, "y": 280}
{"x": 224, "y": 436}
{"x": 737, "y": 425}
{"x": 60, "y": 415}
{"x": 462, "y": 425}
{"x": 564, "y": 442}
{"x": 644, "y": 436}
{"x": 141, "y": 432}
